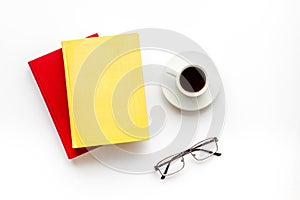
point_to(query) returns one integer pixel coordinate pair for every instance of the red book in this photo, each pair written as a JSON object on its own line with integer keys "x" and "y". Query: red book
{"x": 49, "y": 74}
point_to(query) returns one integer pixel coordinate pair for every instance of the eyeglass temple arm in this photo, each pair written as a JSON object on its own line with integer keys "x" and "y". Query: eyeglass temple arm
{"x": 166, "y": 171}
{"x": 202, "y": 144}
{"x": 207, "y": 151}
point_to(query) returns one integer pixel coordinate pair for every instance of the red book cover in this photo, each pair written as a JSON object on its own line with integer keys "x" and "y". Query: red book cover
{"x": 48, "y": 71}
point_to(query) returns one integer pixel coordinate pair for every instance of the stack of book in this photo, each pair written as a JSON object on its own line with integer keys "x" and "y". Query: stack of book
{"x": 93, "y": 89}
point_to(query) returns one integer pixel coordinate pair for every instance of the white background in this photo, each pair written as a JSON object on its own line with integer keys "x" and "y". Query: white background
{"x": 256, "y": 46}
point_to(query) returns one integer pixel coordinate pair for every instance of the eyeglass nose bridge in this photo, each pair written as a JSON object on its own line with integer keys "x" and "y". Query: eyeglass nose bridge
{"x": 186, "y": 152}
{"x": 182, "y": 159}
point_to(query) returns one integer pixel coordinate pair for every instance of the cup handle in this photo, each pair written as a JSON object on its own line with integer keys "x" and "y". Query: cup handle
{"x": 171, "y": 72}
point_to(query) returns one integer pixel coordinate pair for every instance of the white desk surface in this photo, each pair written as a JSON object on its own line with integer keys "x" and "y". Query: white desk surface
{"x": 256, "y": 46}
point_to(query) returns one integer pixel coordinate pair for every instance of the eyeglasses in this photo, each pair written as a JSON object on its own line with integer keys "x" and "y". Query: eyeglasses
{"x": 200, "y": 151}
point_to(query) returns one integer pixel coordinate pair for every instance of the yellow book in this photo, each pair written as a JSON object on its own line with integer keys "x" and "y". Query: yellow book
{"x": 106, "y": 95}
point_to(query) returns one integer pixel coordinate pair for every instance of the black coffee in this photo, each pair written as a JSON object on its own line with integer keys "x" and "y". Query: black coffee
{"x": 192, "y": 79}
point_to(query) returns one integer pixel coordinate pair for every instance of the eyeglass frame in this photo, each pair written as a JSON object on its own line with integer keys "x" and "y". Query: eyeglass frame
{"x": 185, "y": 152}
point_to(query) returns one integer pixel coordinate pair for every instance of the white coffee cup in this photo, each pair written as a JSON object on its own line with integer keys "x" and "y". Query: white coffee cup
{"x": 192, "y": 81}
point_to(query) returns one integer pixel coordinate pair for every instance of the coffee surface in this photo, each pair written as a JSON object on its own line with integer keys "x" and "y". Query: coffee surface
{"x": 192, "y": 79}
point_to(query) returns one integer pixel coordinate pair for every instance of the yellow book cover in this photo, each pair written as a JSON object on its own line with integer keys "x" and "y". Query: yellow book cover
{"x": 105, "y": 88}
